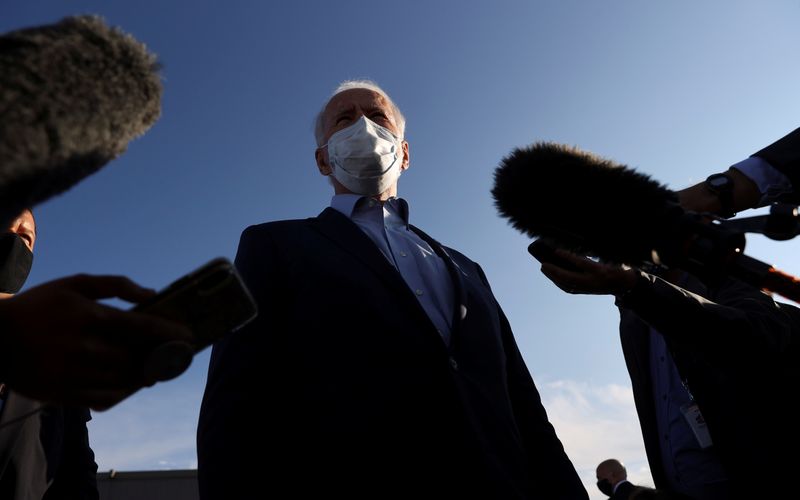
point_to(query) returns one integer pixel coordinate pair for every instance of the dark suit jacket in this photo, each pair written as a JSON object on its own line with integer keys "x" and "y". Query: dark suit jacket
{"x": 624, "y": 491}
{"x": 361, "y": 397}
{"x": 737, "y": 349}
{"x": 629, "y": 491}
{"x": 44, "y": 452}
{"x": 784, "y": 155}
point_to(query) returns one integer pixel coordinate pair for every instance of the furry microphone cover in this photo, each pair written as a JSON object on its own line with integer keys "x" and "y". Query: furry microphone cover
{"x": 583, "y": 202}
{"x": 72, "y": 95}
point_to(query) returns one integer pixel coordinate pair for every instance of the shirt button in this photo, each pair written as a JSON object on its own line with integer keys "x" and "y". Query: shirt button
{"x": 403, "y": 254}
{"x": 453, "y": 363}
{"x": 418, "y": 292}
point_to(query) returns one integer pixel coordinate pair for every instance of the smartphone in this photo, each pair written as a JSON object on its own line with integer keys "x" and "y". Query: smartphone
{"x": 544, "y": 251}
{"x": 212, "y": 301}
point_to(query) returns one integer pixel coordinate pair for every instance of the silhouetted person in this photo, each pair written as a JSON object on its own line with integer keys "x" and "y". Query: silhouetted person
{"x": 694, "y": 351}
{"x": 612, "y": 481}
{"x": 383, "y": 361}
{"x": 63, "y": 118}
{"x": 44, "y": 449}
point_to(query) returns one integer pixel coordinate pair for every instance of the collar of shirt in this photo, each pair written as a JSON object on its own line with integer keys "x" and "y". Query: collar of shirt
{"x": 619, "y": 484}
{"x": 392, "y": 213}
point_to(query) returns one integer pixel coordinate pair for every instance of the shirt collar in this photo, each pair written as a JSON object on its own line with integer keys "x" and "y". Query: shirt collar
{"x": 349, "y": 204}
{"x": 619, "y": 484}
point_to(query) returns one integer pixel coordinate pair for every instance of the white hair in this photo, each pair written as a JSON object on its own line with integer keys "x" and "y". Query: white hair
{"x": 400, "y": 120}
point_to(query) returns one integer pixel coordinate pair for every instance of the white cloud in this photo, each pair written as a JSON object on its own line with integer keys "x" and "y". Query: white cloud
{"x": 596, "y": 422}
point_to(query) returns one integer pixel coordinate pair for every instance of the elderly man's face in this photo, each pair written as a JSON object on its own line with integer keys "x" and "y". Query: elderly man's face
{"x": 348, "y": 106}
{"x": 344, "y": 109}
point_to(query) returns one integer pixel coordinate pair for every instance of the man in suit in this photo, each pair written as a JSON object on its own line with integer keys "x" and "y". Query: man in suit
{"x": 385, "y": 367}
{"x": 44, "y": 449}
{"x": 612, "y": 481}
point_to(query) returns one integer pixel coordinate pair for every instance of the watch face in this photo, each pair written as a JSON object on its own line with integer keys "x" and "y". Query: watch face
{"x": 720, "y": 180}
{"x": 722, "y": 186}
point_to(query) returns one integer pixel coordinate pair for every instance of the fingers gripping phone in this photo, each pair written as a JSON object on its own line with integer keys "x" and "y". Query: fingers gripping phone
{"x": 211, "y": 301}
{"x": 544, "y": 251}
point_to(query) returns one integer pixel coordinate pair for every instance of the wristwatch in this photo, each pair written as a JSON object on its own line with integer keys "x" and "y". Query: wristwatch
{"x": 721, "y": 185}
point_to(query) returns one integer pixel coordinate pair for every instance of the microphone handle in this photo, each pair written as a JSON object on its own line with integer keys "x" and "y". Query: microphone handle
{"x": 766, "y": 277}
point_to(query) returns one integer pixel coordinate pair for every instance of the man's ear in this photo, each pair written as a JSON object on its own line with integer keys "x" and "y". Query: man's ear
{"x": 406, "y": 157}
{"x": 321, "y": 156}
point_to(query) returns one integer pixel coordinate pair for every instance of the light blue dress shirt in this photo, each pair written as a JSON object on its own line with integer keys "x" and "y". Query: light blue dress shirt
{"x": 424, "y": 272}
{"x": 770, "y": 181}
{"x": 689, "y": 469}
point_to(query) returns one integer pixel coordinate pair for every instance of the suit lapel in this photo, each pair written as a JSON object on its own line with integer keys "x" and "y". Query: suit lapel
{"x": 350, "y": 238}
{"x": 457, "y": 276}
{"x": 346, "y": 234}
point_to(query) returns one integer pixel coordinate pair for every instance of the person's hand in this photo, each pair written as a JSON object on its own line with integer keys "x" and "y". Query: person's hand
{"x": 591, "y": 277}
{"x": 699, "y": 198}
{"x": 58, "y": 344}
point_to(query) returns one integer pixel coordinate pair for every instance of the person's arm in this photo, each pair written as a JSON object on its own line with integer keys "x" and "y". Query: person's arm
{"x": 76, "y": 475}
{"x": 553, "y": 474}
{"x": 736, "y": 318}
{"x": 230, "y": 465}
{"x": 767, "y": 175}
{"x": 699, "y": 198}
{"x": 739, "y": 318}
{"x": 58, "y": 344}
{"x": 784, "y": 155}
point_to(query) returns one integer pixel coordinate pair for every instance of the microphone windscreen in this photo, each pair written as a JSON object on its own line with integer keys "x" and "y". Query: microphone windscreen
{"x": 584, "y": 203}
{"x": 72, "y": 95}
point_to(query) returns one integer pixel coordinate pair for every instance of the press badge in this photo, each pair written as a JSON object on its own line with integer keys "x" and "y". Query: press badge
{"x": 698, "y": 424}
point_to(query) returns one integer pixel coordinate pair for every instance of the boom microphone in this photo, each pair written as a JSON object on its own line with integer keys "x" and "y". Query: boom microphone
{"x": 72, "y": 95}
{"x": 591, "y": 205}
{"x": 585, "y": 203}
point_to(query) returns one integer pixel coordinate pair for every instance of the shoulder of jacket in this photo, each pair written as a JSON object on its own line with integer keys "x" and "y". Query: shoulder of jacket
{"x": 278, "y": 226}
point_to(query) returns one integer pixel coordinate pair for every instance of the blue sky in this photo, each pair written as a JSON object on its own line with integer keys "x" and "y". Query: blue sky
{"x": 676, "y": 89}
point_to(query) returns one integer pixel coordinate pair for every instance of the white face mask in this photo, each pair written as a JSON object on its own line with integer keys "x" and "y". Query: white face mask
{"x": 365, "y": 157}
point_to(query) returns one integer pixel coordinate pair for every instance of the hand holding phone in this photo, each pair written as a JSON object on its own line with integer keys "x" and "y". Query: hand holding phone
{"x": 545, "y": 252}
{"x": 212, "y": 301}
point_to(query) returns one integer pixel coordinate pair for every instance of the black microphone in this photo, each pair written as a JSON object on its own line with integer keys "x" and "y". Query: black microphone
{"x": 585, "y": 203}
{"x": 591, "y": 205}
{"x": 72, "y": 95}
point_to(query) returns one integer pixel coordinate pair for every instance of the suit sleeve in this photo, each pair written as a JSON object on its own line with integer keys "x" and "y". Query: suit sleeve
{"x": 784, "y": 155}
{"x": 737, "y": 319}
{"x": 230, "y": 412}
{"x": 553, "y": 474}
{"x": 77, "y": 471}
